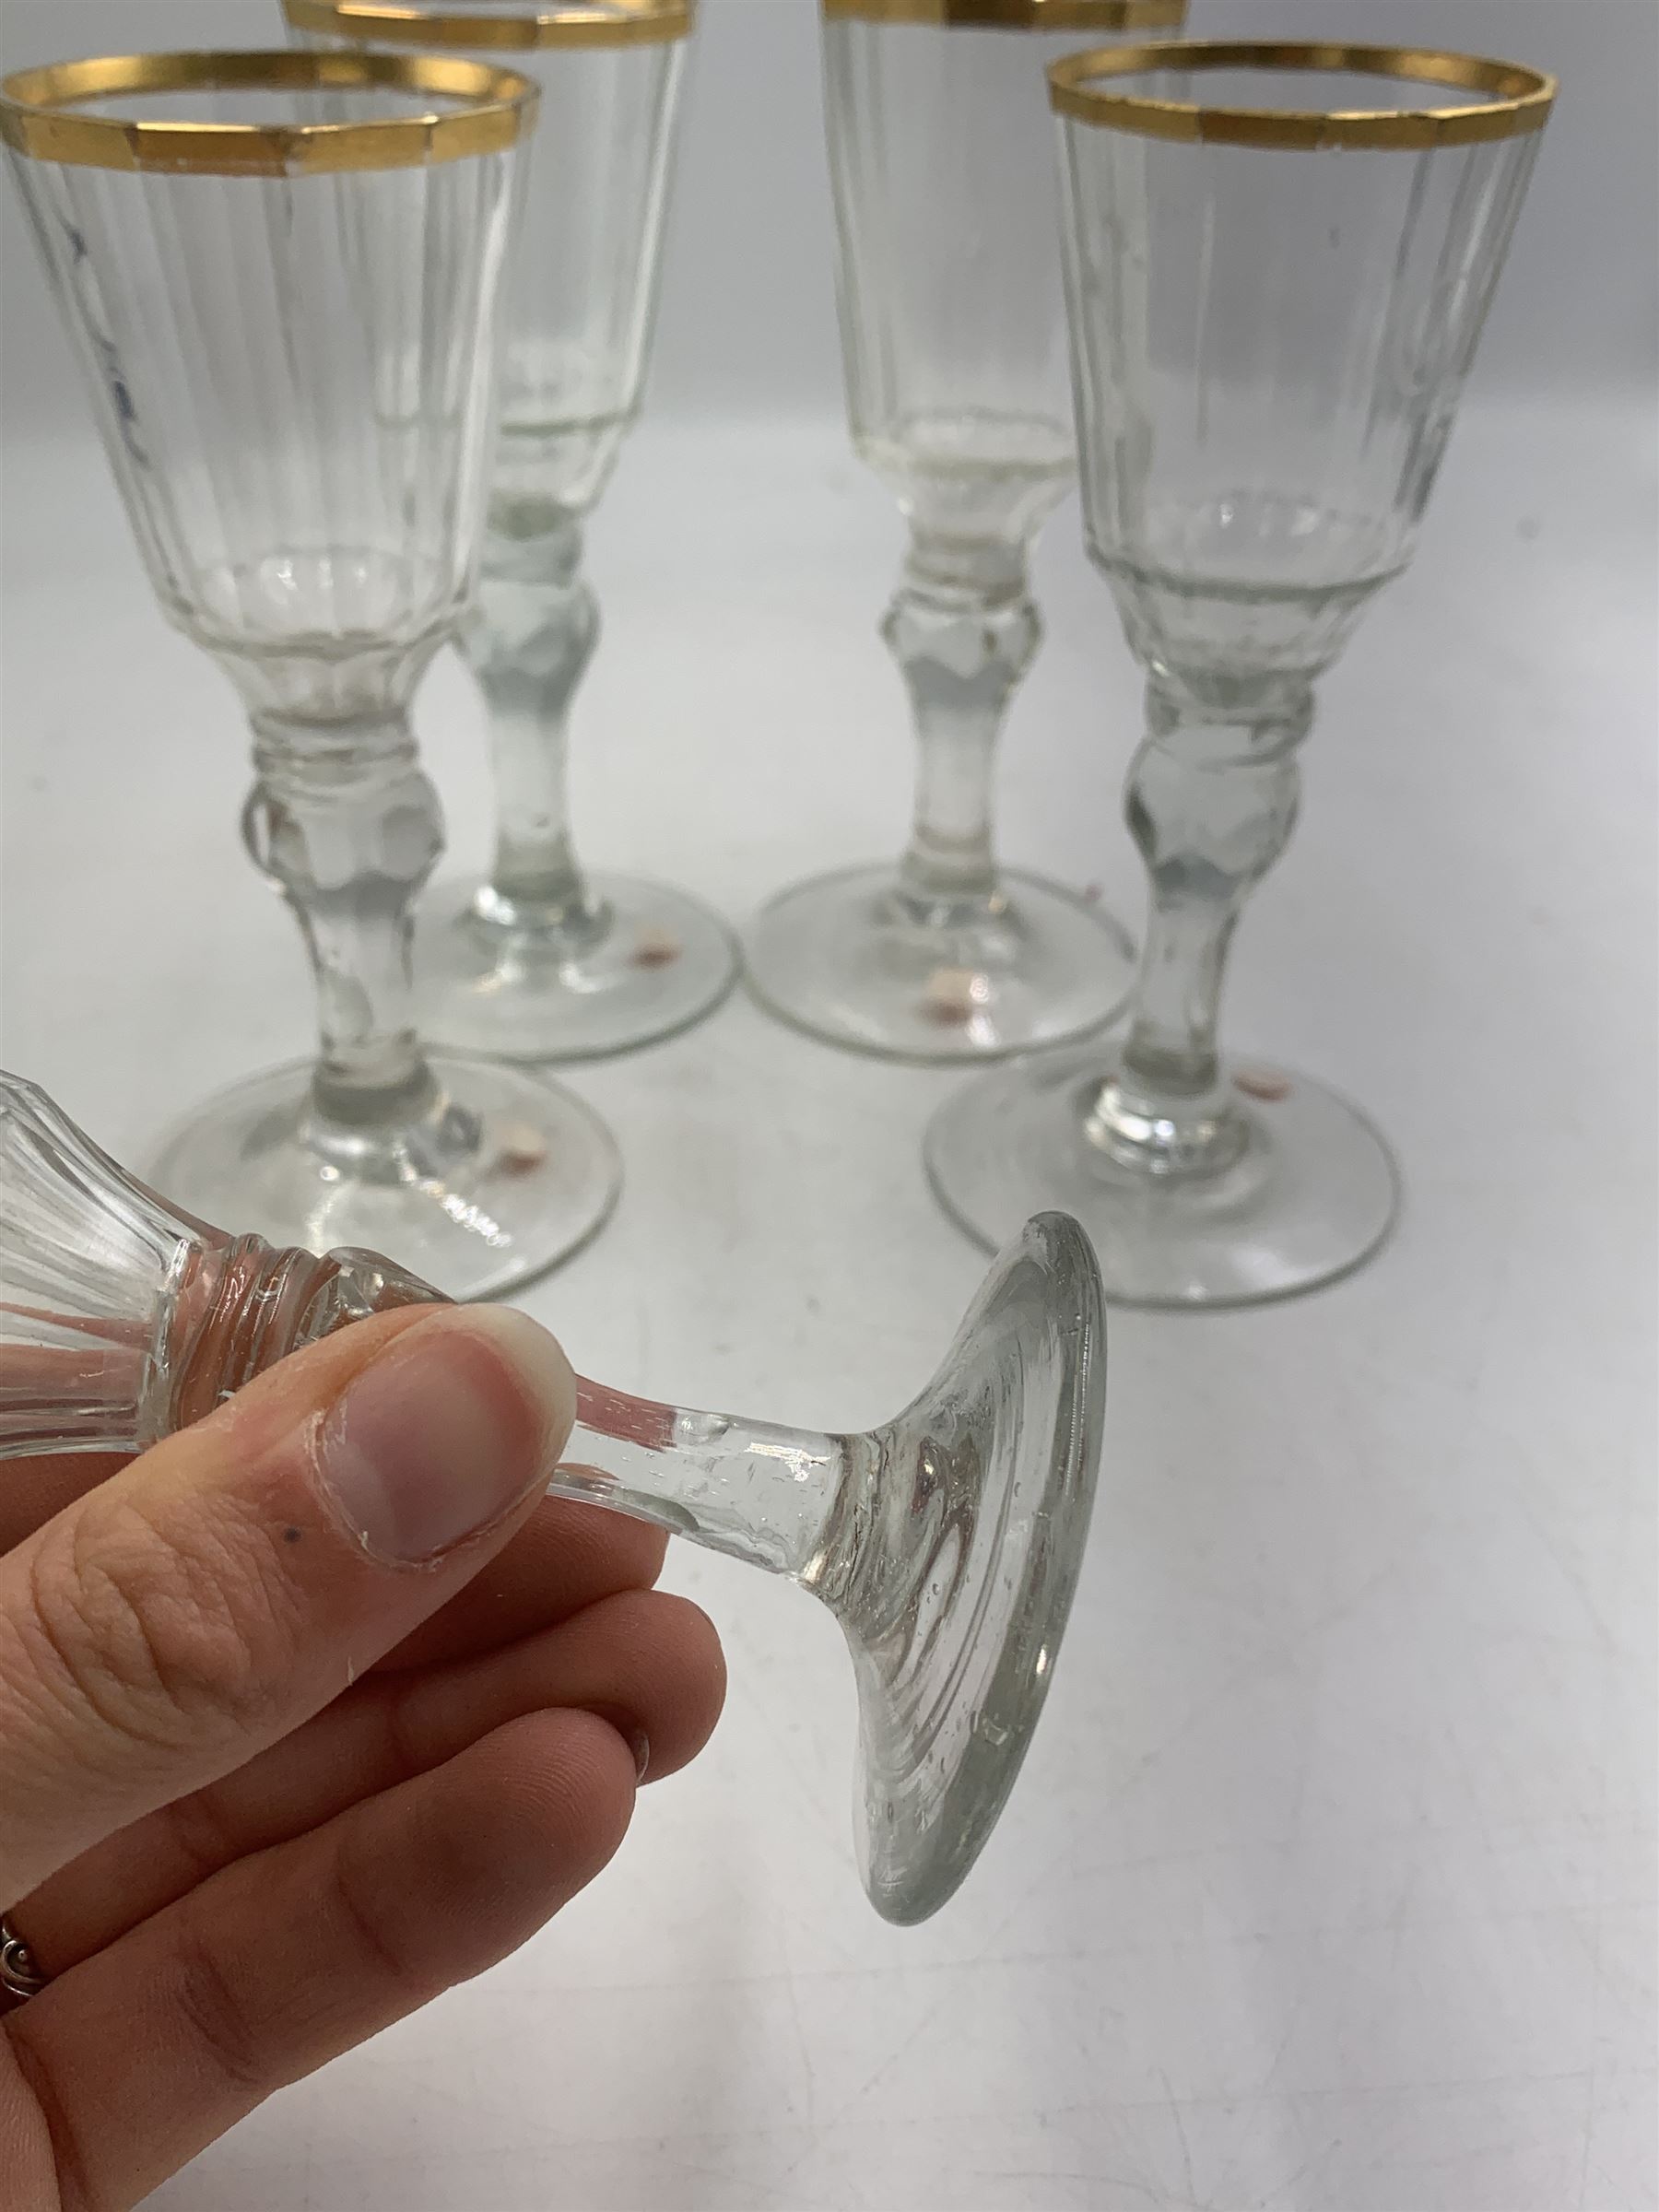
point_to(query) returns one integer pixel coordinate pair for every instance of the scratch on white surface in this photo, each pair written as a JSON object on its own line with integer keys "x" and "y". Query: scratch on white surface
{"x": 1298, "y": 2007}
{"x": 1567, "y": 1572}
{"x": 808, "y": 2070}
{"x": 1181, "y": 2137}
{"x": 1275, "y": 1658}
{"x": 753, "y": 2192}
{"x": 1156, "y": 2196}
{"x": 1583, "y": 2191}
{"x": 809, "y": 1785}
{"x": 1281, "y": 2190}
{"x": 913, "y": 2035}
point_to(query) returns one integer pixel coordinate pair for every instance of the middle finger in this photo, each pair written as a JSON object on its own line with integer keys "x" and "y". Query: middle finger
{"x": 642, "y": 1659}
{"x": 565, "y": 1558}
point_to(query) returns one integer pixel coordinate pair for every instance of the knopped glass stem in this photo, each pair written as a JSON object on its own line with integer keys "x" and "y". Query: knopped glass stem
{"x": 347, "y": 827}
{"x": 1211, "y": 801}
{"x": 530, "y": 635}
{"x": 964, "y": 629}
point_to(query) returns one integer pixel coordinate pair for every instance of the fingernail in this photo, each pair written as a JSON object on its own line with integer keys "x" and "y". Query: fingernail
{"x": 444, "y": 1434}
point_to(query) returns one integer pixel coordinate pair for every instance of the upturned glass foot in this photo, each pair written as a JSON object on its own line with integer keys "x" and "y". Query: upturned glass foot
{"x": 1310, "y": 1189}
{"x": 491, "y": 1177}
{"x": 858, "y": 961}
{"x": 636, "y": 961}
{"x": 955, "y": 1562}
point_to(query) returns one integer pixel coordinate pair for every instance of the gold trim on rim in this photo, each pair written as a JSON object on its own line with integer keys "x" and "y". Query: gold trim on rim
{"x": 616, "y": 23}
{"x": 1520, "y": 102}
{"x": 1014, "y": 15}
{"x": 37, "y": 114}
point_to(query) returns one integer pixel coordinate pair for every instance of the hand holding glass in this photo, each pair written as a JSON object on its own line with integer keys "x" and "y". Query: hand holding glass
{"x": 946, "y": 1543}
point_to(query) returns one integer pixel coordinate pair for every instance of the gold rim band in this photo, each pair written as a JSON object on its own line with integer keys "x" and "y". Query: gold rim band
{"x": 1518, "y": 98}
{"x": 37, "y": 114}
{"x": 619, "y": 23}
{"x": 1015, "y": 14}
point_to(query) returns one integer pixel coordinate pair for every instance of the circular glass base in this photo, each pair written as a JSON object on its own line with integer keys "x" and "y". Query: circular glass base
{"x": 496, "y": 1178}
{"x": 1313, "y": 1192}
{"x": 651, "y": 961}
{"x": 966, "y": 1559}
{"x": 853, "y": 960}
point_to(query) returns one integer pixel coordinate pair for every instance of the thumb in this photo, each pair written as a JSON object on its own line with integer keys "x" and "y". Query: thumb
{"x": 228, "y": 1585}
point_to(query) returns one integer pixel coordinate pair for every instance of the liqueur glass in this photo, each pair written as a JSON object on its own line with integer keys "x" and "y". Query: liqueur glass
{"x": 953, "y": 333}
{"x": 946, "y": 1543}
{"x": 281, "y": 273}
{"x": 1278, "y": 259}
{"x": 544, "y": 962}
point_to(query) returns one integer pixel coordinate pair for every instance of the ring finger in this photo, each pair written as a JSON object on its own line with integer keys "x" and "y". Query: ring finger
{"x": 647, "y": 1662}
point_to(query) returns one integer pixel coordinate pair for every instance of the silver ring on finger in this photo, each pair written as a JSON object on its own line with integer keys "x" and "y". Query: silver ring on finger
{"x": 20, "y": 1976}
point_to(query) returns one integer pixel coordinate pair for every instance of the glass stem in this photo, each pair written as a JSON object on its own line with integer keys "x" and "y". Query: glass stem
{"x": 528, "y": 638}
{"x": 1211, "y": 801}
{"x": 776, "y": 1498}
{"x": 344, "y": 822}
{"x": 964, "y": 630}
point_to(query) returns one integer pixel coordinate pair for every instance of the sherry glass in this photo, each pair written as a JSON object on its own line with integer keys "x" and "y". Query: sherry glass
{"x": 953, "y": 333}
{"x": 544, "y": 962}
{"x": 281, "y": 273}
{"x": 946, "y": 1543}
{"x": 1278, "y": 259}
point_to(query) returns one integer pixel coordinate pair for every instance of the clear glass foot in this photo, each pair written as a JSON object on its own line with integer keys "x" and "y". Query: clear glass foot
{"x": 495, "y": 1178}
{"x": 640, "y": 962}
{"x": 853, "y": 959}
{"x": 946, "y": 1543}
{"x": 1312, "y": 1191}
{"x": 959, "y": 1561}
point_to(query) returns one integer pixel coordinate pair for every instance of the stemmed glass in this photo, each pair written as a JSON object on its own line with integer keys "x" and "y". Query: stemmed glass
{"x": 953, "y": 333}
{"x": 281, "y": 273}
{"x": 1278, "y": 259}
{"x": 546, "y": 961}
{"x": 946, "y": 1543}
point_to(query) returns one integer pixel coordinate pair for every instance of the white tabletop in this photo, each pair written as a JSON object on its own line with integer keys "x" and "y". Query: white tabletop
{"x": 1329, "y": 1884}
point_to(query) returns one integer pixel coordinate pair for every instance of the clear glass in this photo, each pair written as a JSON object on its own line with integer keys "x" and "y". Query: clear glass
{"x": 292, "y": 376}
{"x": 946, "y": 1543}
{"x": 1270, "y": 342}
{"x": 953, "y": 331}
{"x": 544, "y": 961}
